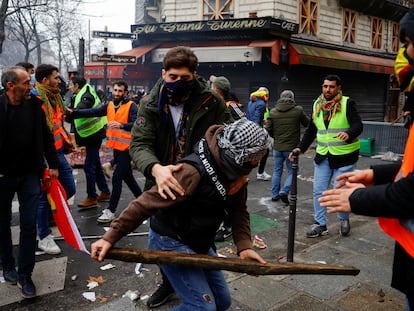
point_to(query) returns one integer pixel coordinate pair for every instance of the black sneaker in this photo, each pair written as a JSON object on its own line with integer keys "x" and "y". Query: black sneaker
{"x": 317, "y": 231}
{"x": 284, "y": 198}
{"x": 345, "y": 227}
{"x": 222, "y": 234}
{"x": 160, "y": 296}
{"x": 276, "y": 198}
{"x": 27, "y": 286}
{"x": 10, "y": 275}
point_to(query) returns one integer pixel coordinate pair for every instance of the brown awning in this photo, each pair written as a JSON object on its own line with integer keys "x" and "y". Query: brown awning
{"x": 139, "y": 51}
{"x": 316, "y": 56}
{"x": 274, "y": 44}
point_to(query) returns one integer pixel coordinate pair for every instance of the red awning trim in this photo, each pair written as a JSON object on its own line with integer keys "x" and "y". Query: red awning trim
{"x": 139, "y": 51}
{"x": 316, "y": 56}
{"x": 274, "y": 44}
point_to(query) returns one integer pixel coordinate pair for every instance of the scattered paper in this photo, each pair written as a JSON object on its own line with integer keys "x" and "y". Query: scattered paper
{"x": 74, "y": 277}
{"x": 133, "y": 295}
{"x": 90, "y": 296}
{"x": 2, "y": 280}
{"x": 258, "y": 242}
{"x": 138, "y": 268}
{"x": 107, "y": 267}
{"x": 92, "y": 285}
{"x": 98, "y": 279}
{"x": 321, "y": 262}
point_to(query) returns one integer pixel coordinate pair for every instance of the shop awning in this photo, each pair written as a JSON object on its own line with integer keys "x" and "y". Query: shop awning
{"x": 139, "y": 51}
{"x": 316, "y": 56}
{"x": 274, "y": 44}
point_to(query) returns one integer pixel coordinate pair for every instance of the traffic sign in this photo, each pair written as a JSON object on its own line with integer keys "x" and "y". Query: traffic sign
{"x": 111, "y": 58}
{"x": 114, "y": 35}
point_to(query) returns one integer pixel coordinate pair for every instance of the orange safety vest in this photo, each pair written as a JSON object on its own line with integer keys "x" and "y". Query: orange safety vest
{"x": 400, "y": 229}
{"x": 118, "y": 139}
{"x": 59, "y": 133}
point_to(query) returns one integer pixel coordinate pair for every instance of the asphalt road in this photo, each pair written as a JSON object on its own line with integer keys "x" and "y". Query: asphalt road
{"x": 269, "y": 222}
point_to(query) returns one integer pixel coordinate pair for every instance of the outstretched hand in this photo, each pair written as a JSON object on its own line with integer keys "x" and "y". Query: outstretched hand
{"x": 99, "y": 249}
{"x": 365, "y": 177}
{"x": 251, "y": 254}
{"x": 337, "y": 200}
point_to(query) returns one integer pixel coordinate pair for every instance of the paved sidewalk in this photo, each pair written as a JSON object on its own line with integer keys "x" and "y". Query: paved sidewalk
{"x": 367, "y": 248}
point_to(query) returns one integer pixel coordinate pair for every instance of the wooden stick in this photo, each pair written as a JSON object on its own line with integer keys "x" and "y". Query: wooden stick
{"x": 230, "y": 264}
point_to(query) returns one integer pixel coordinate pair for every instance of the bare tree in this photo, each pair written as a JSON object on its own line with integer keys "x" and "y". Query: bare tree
{"x": 3, "y": 15}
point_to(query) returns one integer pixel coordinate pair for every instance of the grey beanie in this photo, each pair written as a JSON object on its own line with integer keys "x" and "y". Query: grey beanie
{"x": 244, "y": 141}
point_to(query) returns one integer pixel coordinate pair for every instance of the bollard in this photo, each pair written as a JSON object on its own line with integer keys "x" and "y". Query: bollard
{"x": 292, "y": 206}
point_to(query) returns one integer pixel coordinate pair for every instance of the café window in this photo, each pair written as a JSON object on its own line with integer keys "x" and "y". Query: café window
{"x": 218, "y": 9}
{"x": 308, "y": 15}
{"x": 376, "y": 32}
{"x": 350, "y": 24}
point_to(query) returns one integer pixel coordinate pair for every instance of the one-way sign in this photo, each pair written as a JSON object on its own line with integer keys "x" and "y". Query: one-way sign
{"x": 114, "y": 35}
{"x": 111, "y": 58}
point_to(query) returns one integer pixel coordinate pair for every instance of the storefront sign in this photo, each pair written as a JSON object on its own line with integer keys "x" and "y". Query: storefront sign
{"x": 268, "y": 23}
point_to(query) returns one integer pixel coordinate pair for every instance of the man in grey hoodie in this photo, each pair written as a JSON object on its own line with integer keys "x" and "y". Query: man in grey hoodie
{"x": 283, "y": 124}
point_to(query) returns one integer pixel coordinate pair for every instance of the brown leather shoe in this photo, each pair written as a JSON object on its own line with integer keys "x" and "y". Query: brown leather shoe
{"x": 103, "y": 197}
{"x": 88, "y": 203}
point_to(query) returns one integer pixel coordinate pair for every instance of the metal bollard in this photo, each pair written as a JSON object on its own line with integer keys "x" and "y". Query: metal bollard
{"x": 292, "y": 207}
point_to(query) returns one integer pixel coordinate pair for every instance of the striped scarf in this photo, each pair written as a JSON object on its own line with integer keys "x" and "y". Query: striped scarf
{"x": 51, "y": 98}
{"x": 328, "y": 108}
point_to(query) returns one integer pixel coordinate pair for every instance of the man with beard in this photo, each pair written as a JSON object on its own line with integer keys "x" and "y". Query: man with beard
{"x": 336, "y": 125}
{"x": 25, "y": 141}
{"x": 121, "y": 114}
{"x": 173, "y": 117}
{"x": 47, "y": 86}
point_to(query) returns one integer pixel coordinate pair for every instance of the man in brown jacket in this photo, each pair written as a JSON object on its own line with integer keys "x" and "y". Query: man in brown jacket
{"x": 215, "y": 181}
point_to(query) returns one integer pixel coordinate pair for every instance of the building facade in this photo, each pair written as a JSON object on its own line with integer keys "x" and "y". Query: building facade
{"x": 278, "y": 44}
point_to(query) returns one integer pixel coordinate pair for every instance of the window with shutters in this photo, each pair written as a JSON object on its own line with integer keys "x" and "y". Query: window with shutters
{"x": 395, "y": 43}
{"x": 376, "y": 32}
{"x": 350, "y": 23}
{"x": 308, "y": 17}
{"x": 218, "y": 9}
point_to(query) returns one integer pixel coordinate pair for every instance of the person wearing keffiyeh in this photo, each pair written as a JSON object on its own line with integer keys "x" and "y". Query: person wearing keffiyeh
{"x": 214, "y": 177}
{"x": 336, "y": 126}
{"x": 47, "y": 86}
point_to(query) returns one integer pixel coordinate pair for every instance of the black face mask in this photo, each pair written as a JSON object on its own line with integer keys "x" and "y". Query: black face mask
{"x": 179, "y": 91}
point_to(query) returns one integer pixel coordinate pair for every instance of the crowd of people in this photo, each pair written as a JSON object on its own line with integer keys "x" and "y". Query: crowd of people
{"x": 196, "y": 164}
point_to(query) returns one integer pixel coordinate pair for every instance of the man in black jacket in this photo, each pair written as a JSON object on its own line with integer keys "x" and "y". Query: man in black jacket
{"x": 25, "y": 139}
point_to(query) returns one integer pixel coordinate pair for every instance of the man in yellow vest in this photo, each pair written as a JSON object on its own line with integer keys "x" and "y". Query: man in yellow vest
{"x": 391, "y": 201}
{"x": 336, "y": 125}
{"x": 89, "y": 132}
{"x": 121, "y": 114}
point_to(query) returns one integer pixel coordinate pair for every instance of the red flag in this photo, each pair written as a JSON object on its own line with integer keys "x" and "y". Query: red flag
{"x": 56, "y": 196}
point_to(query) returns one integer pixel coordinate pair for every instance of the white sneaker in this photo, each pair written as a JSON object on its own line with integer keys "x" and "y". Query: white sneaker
{"x": 49, "y": 246}
{"x": 263, "y": 176}
{"x": 107, "y": 216}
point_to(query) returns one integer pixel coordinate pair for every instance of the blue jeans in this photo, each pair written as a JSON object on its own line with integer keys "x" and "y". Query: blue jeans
{"x": 28, "y": 190}
{"x": 68, "y": 183}
{"x": 323, "y": 176}
{"x": 198, "y": 289}
{"x": 122, "y": 172}
{"x": 278, "y": 158}
{"x": 93, "y": 171}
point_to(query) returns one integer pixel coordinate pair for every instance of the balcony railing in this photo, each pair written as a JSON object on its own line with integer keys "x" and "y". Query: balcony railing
{"x": 388, "y": 9}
